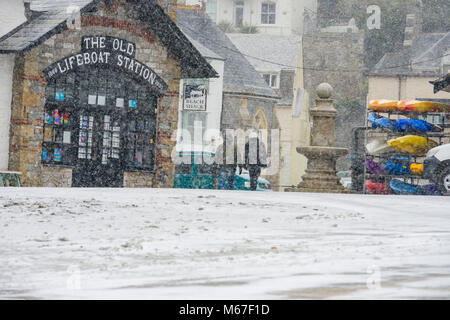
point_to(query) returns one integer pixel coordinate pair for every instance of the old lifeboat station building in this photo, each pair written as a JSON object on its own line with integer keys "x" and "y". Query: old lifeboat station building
{"x": 95, "y": 92}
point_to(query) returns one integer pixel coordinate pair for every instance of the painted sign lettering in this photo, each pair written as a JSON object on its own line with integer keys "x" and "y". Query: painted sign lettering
{"x": 105, "y": 50}
{"x": 194, "y": 97}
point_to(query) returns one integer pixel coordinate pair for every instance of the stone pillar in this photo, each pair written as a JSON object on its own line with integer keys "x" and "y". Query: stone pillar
{"x": 321, "y": 170}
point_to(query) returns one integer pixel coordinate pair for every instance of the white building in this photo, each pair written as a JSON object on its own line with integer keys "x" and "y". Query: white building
{"x": 280, "y": 17}
{"x": 200, "y": 124}
{"x": 12, "y": 14}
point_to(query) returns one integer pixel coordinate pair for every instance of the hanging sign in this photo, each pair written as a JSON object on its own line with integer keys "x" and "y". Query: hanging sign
{"x": 194, "y": 97}
{"x": 105, "y": 50}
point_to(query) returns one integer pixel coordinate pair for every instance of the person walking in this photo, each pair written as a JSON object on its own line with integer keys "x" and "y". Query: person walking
{"x": 227, "y": 162}
{"x": 255, "y": 159}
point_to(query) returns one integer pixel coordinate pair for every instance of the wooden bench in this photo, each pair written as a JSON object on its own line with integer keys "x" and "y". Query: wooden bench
{"x": 7, "y": 176}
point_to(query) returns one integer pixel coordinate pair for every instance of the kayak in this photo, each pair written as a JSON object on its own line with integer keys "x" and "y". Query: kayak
{"x": 380, "y": 122}
{"x": 399, "y": 187}
{"x": 383, "y": 105}
{"x": 412, "y": 144}
{"x": 378, "y": 146}
{"x": 377, "y": 187}
{"x": 430, "y": 190}
{"x": 374, "y": 167}
{"x": 422, "y": 106}
{"x": 411, "y": 125}
{"x": 398, "y": 165}
{"x": 416, "y": 168}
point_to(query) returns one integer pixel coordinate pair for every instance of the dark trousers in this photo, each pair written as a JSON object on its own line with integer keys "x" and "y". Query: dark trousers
{"x": 254, "y": 173}
{"x": 228, "y": 175}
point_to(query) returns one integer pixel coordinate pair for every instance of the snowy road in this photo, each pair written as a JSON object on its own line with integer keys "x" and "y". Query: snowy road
{"x": 188, "y": 244}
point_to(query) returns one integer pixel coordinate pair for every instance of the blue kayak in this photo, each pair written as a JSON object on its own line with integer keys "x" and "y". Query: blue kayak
{"x": 412, "y": 125}
{"x": 399, "y": 187}
{"x": 380, "y": 122}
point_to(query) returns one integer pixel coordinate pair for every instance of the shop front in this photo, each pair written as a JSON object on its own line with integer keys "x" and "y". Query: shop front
{"x": 97, "y": 106}
{"x": 100, "y": 113}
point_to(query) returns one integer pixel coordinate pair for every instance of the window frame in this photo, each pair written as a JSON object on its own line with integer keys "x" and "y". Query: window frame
{"x": 270, "y": 12}
{"x": 273, "y": 84}
{"x": 238, "y": 4}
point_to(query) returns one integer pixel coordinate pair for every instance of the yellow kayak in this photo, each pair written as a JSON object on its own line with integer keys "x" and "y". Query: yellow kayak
{"x": 422, "y": 106}
{"x": 416, "y": 168}
{"x": 412, "y": 144}
{"x": 383, "y": 105}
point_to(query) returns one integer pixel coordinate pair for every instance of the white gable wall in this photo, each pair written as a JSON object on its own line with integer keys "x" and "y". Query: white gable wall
{"x": 11, "y": 16}
{"x": 213, "y": 110}
{"x": 289, "y": 14}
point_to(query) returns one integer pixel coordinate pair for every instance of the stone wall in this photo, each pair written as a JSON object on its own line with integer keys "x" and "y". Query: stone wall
{"x": 26, "y": 130}
{"x": 137, "y": 180}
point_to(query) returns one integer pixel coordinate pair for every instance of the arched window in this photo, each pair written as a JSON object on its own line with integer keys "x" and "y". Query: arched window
{"x": 100, "y": 122}
{"x": 261, "y": 125}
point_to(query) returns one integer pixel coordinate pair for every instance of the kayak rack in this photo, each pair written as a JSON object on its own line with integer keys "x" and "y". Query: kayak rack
{"x": 438, "y": 119}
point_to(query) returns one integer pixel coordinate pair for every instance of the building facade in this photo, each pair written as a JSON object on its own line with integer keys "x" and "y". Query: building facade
{"x": 95, "y": 92}
{"x": 248, "y": 102}
{"x": 406, "y": 74}
{"x": 279, "y": 60}
{"x": 278, "y": 17}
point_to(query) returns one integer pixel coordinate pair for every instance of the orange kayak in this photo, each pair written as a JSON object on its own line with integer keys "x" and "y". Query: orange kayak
{"x": 383, "y": 105}
{"x": 422, "y": 106}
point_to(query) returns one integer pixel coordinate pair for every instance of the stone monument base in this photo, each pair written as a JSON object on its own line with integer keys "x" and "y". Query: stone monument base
{"x": 320, "y": 176}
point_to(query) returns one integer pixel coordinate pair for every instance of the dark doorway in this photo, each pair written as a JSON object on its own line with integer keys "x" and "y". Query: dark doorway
{"x": 100, "y": 155}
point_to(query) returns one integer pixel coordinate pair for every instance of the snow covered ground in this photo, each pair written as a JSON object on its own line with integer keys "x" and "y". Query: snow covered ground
{"x": 191, "y": 244}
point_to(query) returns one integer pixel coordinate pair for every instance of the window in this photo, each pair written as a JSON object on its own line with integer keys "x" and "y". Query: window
{"x": 141, "y": 130}
{"x": 238, "y": 13}
{"x": 271, "y": 79}
{"x": 268, "y": 13}
{"x": 99, "y": 118}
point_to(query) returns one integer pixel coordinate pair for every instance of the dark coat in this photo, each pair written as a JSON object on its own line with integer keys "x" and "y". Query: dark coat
{"x": 255, "y": 154}
{"x": 221, "y": 159}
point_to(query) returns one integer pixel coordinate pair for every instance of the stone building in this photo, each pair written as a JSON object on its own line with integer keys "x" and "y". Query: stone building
{"x": 95, "y": 92}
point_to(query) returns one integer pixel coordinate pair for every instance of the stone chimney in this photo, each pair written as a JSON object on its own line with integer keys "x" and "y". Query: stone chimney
{"x": 414, "y": 20}
{"x": 29, "y": 14}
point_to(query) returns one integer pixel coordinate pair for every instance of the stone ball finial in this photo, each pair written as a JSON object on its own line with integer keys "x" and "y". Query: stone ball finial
{"x": 324, "y": 90}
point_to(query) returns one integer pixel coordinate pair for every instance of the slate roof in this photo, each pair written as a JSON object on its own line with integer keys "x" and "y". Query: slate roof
{"x": 205, "y": 52}
{"x": 239, "y": 75}
{"x": 260, "y": 49}
{"x": 33, "y": 32}
{"x": 52, "y": 15}
{"x": 423, "y": 59}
